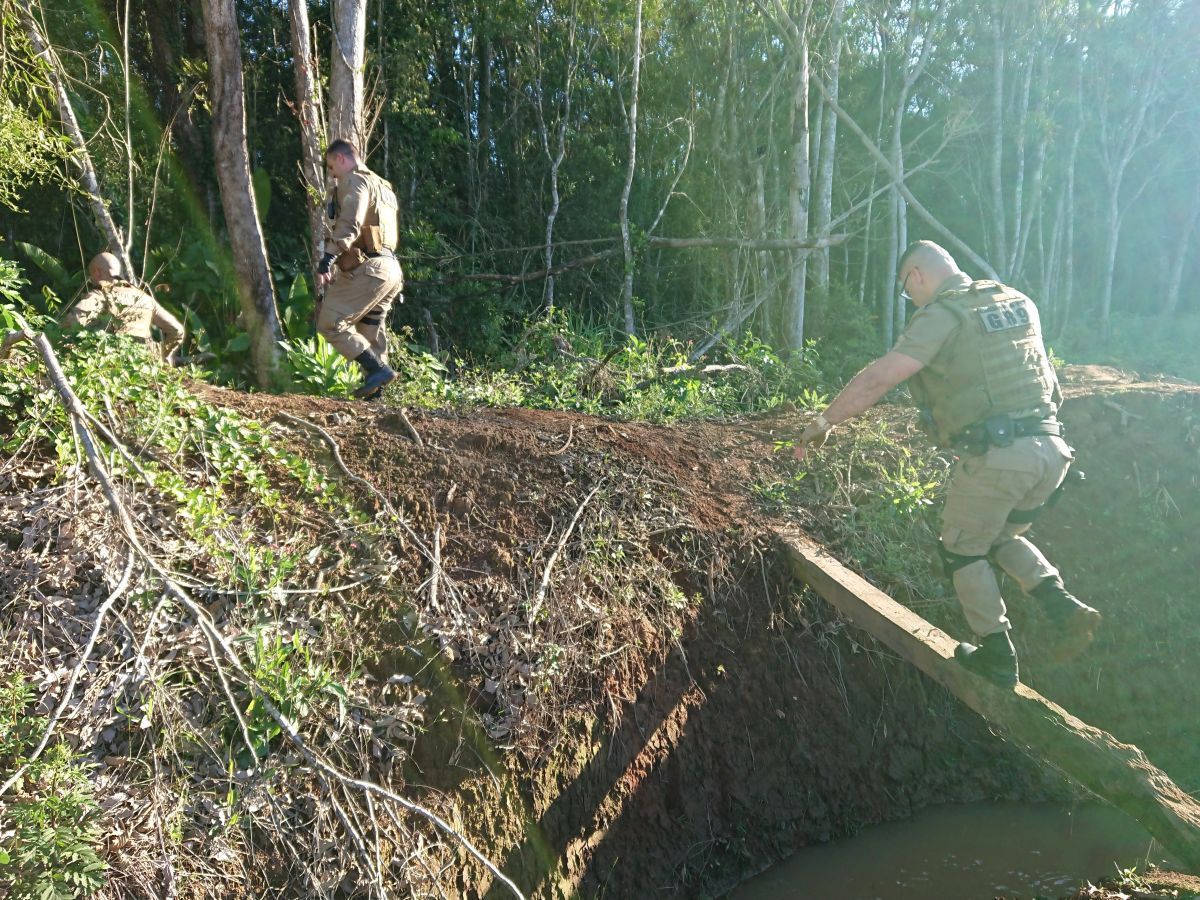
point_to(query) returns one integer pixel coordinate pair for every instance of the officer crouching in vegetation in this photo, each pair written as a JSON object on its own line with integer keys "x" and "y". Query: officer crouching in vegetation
{"x": 361, "y": 242}
{"x": 975, "y": 353}
{"x": 116, "y": 305}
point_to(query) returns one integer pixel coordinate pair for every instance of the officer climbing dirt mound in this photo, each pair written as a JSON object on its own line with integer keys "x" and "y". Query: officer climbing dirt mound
{"x": 986, "y": 388}
{"x": 361, "y": 242}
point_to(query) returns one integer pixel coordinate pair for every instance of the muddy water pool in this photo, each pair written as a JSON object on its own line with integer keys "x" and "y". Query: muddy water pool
{"x": 969, "y": 852}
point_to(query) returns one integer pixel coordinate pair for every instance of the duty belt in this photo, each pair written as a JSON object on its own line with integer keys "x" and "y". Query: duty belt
{"x": 386, "y": 251}
{"x": 1001, "y": 430}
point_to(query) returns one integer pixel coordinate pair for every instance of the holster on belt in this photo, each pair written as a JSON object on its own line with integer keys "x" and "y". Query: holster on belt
{"x": 351, "y": 259}
{"x": 1001, "y": 430}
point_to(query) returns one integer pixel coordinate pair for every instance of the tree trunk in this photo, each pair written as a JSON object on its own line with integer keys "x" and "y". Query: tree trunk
{"x": 347, "y": 62}
{"x": 560, "y": 146}
{"x": 80, "y": 157}
{"x": 255, "y": 288}
{"x": 799, "y": 195}
{"x": 1175, "y": 280}
{"x": 999, "y": 227}
{"x": 485, "y": 120}
{"x": 1019, "y": 178}
{"x": 308, "y": 111}
{"x": 828, "y": 147}
{"x": 626, "y": 240}
{"x": 1068, "y": 290}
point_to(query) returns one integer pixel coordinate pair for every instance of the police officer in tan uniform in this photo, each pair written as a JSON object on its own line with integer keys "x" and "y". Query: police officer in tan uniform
{"x": 359, "y": 269}
{"x": 116, "y": 305}
{"x": 979, "y": 367}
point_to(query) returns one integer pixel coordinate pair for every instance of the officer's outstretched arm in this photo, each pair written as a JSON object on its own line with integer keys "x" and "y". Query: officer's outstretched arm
{"x": 864, "y": 391}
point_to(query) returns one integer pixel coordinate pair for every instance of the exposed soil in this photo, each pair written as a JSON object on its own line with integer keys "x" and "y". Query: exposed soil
{"x": 764, "y": 724}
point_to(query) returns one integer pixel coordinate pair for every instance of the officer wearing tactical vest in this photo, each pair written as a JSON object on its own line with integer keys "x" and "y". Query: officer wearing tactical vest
{"x": 361, "y": 243}
{"x": 980, "y": 373}
{"x": 117, "y": 306}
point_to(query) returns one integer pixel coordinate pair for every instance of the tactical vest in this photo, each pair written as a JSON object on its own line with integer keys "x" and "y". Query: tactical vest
{"x": 125, "y": 310}
{"x": 994, "y": 363}
{"x": 387, "y": 209}
{"x": 380, "y": 228}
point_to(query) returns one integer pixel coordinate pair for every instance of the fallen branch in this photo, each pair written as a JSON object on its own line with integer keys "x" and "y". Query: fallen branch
{"x": 408, "y": 426}
{"x": 689, "y": 371}
{"x": 654, "y": 243}
{"x": 562, "y": 542}
{"x": 357, "y": 479}
{"x": 563, "y": 448}
{"x": 734, "y": 243}
{"x": 1126, "y": 415}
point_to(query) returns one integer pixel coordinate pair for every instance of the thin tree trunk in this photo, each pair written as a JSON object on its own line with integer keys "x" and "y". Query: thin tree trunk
{"x": 1052, "y": 263}
{"x": 1119, "y": 142}
{"x": 799, "y": 196}
{"x": 80, "y": 157}
{"x": 128, "y": 117}
{"x": 1000, "y": 228}
{"x": 892, "y": 305}
{"x": 485, "y": 120}
{"x": 887, "y": 278}
{"x": 560, "y": 150}
{"x": 828, "y": 147}
{"x": 308, "y": 111}
{"x": 626, "y": 240}
{"x": 1019, "y": 179}
{"x": 1068, "y": 290}
{"x": 1175, "y": 281}
{"x": 347, "y": 63}
{"x": 1033, "y": 208}
{"x": 759, "y": 225}
{"x": 248, "y": 248}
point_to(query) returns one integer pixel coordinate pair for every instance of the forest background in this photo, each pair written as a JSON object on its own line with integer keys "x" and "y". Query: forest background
{"x": 798, "y": 146}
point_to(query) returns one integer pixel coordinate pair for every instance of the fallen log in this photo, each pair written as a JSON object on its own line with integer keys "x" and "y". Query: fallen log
{"x": 1115, "y": 772}
{"x": 654, "y": 243}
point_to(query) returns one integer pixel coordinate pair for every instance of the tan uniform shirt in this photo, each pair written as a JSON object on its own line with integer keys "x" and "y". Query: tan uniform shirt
{"x": 362, "y": 198}
{"x": 930, "y": 327}
{"x": 121, "y": 308}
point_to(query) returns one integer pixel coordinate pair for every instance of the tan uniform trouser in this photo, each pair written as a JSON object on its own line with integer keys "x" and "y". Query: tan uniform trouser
{"x": 983, "y": 491}
{"x": 352, "y": 295}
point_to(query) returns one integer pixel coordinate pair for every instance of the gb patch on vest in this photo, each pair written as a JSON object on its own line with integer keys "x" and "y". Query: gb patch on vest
{"x": 1004, "y": 315}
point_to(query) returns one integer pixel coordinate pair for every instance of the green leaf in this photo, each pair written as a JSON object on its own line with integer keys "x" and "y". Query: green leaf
{"x": 299, "y": 291}
{"x": 62, "y": 281}
{"x": 261, "y": 180}
{"x": 239, "y": 343}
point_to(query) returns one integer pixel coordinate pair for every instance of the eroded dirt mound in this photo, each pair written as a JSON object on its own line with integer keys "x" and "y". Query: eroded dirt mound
{"x": 759, "y": 722}
{"x": 707, "y": 749}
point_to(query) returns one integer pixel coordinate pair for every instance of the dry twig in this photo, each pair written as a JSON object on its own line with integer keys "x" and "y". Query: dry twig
{"x": 562, "y": 542}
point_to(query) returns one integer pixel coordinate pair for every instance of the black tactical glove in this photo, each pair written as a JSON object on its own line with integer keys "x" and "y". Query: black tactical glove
{"x": 325, "y": 266}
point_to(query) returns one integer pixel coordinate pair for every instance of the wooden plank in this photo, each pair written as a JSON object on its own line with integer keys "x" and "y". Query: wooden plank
{"x": 1116, "y": 772}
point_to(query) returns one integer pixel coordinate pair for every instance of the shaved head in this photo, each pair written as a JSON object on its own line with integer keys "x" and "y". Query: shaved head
{"x": 929, "y": 255}
{"x": 104, "y": 267}
{"x": 923, "y": 268}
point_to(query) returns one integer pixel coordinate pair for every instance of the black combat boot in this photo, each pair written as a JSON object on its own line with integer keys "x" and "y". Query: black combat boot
{"x": 1074, "y": 622}
{"x": 376, "y": 375}
{"x": 994, "y": 657}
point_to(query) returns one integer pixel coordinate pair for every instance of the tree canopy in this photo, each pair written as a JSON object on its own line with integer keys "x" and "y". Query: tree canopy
{"x": 1054, "y": 141}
